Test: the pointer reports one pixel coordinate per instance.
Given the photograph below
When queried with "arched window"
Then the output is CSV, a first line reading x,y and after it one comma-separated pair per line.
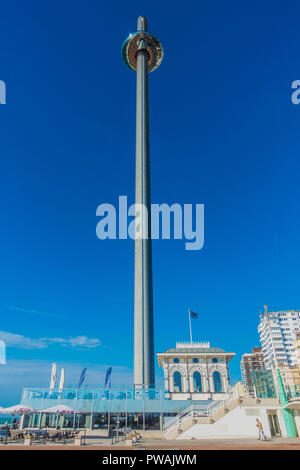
x,y
177,382
217,381
197,382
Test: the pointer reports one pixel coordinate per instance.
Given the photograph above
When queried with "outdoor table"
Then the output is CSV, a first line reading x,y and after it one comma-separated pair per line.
x,y
39,434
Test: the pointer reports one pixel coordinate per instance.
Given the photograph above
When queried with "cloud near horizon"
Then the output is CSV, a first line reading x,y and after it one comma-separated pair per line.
x,y
24,342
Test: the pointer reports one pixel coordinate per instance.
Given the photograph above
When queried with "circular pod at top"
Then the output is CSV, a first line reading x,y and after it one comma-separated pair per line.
x,y
154,48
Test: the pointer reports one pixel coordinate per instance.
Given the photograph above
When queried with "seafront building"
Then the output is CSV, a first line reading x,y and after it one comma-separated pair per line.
x,y
277,332
291,375
251,362
196,371
195,375
100,411
239,389
280,338
198,401
291,379
297,348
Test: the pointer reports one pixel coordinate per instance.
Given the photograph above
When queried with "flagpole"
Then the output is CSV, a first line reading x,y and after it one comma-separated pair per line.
x,y
190,326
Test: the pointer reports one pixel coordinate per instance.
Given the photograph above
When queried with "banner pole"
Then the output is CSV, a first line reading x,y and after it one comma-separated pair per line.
x,y
190,326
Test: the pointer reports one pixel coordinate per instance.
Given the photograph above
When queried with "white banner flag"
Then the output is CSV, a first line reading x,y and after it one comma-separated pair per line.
x,y
53,378
62,380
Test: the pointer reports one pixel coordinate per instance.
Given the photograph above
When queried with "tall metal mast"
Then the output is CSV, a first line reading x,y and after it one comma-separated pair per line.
x,y
143,53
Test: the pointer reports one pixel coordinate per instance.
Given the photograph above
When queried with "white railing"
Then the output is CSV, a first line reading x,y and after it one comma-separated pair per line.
x,y
199,411
193,410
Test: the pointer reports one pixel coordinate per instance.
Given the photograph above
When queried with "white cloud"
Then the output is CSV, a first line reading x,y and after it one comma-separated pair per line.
x,y
20,341
78,341
35,312
24,342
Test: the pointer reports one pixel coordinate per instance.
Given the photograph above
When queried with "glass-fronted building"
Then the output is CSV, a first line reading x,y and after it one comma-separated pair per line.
x,y
195,374
98,408
262,383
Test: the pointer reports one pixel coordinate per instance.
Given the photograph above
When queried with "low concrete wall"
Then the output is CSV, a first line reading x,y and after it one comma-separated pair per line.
x,y
96,432
155,434
103,433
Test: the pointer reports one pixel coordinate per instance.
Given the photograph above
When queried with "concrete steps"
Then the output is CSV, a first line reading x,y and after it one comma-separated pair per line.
x,y
215,415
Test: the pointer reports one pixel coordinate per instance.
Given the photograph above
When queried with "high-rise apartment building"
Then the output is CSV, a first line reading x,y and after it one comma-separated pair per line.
x,y
251,362
297,348
278,332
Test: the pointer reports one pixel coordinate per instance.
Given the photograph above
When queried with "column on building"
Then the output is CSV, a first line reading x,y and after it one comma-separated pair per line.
x,y
167,377
208,383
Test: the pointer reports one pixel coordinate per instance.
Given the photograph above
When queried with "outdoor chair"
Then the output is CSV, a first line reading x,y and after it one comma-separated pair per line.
x,y
39,436
4,434
16,435
54,435
68,435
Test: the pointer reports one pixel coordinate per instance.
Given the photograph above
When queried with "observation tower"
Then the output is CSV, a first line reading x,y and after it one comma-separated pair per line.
x,y
143,53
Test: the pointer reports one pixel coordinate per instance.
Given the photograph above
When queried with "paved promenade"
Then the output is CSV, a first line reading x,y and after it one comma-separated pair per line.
x,y
159,444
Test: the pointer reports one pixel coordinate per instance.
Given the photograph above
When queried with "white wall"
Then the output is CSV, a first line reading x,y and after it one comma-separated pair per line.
x,y
236,423
297,420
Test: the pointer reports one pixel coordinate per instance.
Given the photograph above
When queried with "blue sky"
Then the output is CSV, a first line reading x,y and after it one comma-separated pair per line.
x,y
224,133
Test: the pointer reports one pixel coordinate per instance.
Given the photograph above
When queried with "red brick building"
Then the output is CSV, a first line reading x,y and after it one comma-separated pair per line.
x,y
250,362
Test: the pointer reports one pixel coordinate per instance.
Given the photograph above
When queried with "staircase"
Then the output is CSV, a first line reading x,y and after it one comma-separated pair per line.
x,y
198,414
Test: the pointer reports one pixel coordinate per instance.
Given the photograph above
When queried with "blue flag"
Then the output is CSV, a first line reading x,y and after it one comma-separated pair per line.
x,y
107,383
82,377
194,315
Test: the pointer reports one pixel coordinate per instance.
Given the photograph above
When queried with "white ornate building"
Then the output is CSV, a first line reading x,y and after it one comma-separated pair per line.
x,y
195,371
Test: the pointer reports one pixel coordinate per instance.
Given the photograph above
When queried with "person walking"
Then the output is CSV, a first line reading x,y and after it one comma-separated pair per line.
x,y
261,433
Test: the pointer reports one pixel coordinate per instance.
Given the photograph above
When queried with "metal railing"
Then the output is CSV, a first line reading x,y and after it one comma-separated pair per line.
x,y
202,411
199,410
119,434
